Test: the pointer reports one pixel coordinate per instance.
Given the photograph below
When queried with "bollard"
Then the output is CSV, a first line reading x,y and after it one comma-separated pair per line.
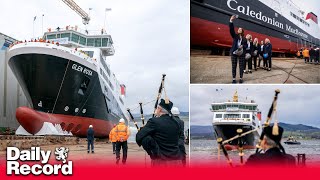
x,y
301,159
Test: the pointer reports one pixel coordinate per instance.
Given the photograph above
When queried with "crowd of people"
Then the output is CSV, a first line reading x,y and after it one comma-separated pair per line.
x,y
249,53
310,55
162,137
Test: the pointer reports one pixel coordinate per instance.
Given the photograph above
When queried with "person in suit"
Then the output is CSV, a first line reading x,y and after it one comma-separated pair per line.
x,y
248,54
312,54
237,50
317,55
160,137
260,53
274,153
256,50
90,139
268,54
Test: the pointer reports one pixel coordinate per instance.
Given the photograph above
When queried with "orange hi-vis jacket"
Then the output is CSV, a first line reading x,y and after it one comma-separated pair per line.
x,y
113,135
305,53
122,132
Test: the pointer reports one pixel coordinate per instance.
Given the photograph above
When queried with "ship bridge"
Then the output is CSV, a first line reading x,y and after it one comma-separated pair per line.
x,y
75,38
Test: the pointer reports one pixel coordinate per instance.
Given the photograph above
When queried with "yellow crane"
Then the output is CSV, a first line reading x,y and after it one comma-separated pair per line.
x,y
75,7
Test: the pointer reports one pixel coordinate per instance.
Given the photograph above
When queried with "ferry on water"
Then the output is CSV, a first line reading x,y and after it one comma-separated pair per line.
x,y
67,80
287,26
232,115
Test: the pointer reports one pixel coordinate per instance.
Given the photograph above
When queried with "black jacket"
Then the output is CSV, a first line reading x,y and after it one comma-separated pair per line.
x,y
317,53
268,49
251,49
257,48
312,53
236,38
165,131
181,137
273,157
90,134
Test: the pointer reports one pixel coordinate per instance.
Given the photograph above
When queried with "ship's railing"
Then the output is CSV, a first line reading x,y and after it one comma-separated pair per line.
x,y
54,45
77,29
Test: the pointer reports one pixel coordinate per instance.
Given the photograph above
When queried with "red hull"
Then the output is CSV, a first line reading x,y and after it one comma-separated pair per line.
x,y
32,121
211,34
233,147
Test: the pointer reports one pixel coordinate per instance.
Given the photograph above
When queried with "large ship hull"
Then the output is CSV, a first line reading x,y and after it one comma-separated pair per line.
x,y
61,90
210,19
228,131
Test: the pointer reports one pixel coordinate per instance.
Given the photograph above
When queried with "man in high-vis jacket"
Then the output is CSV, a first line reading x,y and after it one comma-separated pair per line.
x,y
122,132
113,138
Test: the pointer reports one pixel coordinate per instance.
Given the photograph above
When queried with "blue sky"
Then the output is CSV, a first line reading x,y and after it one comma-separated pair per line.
x,y
150,38
297,104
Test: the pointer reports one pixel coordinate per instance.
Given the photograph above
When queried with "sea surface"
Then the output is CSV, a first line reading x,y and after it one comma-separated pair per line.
x,y
206,152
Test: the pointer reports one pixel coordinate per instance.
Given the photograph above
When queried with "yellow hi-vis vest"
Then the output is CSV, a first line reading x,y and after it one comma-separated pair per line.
x,y
113,135
122,132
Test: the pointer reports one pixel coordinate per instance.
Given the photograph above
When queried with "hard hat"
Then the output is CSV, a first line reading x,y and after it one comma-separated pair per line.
x,y
175,111
121,120
90,126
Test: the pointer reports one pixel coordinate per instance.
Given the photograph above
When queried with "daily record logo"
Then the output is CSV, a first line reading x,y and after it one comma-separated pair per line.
x,y
15,159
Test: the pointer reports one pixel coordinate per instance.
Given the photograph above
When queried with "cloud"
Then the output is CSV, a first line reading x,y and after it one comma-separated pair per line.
x,y
150,38
296,104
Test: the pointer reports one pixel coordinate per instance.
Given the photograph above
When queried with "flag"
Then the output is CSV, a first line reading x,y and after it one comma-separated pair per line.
x,y
34,18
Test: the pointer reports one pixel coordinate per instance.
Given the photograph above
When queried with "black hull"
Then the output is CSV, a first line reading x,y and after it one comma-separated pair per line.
x,y
55,85
228,131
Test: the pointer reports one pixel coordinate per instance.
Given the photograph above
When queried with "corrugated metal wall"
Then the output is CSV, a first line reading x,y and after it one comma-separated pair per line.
x,y
11,94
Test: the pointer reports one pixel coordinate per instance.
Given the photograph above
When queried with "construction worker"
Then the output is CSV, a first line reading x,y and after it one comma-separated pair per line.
x,y
306,55
90,139
113,138
175,112
122,133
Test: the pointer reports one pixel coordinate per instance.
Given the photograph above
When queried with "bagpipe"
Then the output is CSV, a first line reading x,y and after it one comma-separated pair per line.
x,y
161,87
241,134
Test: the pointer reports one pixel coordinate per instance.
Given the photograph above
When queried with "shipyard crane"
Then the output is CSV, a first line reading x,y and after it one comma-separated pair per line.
x,y
75,7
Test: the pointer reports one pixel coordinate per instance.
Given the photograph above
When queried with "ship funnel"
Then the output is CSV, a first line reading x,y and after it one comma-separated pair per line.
x,y
235,97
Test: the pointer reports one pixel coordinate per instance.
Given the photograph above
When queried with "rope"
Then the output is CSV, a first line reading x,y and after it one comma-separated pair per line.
x,y
65,72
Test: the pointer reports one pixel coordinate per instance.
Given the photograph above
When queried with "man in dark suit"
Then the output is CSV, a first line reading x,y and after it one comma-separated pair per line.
x,y
312,54
176,113
160,137
317,55
275,154
239,45
90,139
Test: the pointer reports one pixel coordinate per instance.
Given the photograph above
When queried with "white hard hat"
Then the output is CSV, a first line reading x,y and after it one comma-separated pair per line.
x,y
90,126
175,111
121,120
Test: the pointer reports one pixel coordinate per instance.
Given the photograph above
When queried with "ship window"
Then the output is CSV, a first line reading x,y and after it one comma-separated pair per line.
x,y
250,108
241,106
97,42
75,38
52,36
82,40
235,105
65,35
232,116
224,106
58,35
228,105
245,115
105,42
90,42
218,115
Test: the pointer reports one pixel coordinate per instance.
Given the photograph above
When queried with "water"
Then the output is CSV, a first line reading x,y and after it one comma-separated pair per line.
x,y
206,152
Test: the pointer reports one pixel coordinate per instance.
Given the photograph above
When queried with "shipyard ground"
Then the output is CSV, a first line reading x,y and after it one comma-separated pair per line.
x,y
102,155
210,69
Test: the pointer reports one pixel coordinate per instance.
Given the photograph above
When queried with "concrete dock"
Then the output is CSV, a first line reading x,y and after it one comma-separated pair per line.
x,y
102,155
209,69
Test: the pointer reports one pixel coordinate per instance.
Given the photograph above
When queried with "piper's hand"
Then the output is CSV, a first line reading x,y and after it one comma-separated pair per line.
x,y
241,46
232,18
